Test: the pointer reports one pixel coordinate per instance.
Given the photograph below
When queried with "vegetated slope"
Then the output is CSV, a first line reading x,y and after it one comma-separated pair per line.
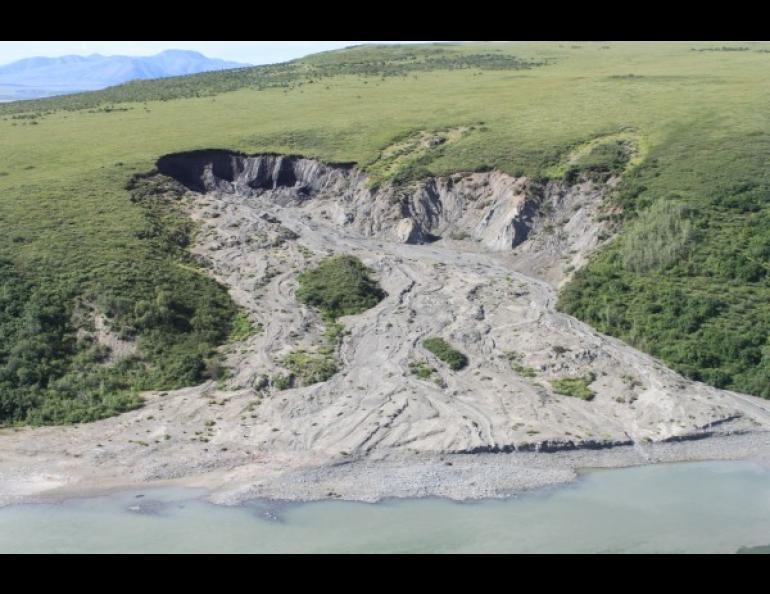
x,y
688,281
57,362
70,230
367,61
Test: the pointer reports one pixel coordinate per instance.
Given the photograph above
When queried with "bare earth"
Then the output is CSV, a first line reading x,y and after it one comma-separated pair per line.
x,y
467,258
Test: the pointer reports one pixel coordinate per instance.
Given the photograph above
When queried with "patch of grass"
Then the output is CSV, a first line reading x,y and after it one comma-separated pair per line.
x,y
523,371
601,161
241,328
333,333
421,369
516,365
310,368
222,375
339,286
444,351
577,387
282,381
599,158
407,157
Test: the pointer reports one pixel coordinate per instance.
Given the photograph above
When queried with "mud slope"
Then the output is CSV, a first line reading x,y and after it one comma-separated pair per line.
x,y
474,258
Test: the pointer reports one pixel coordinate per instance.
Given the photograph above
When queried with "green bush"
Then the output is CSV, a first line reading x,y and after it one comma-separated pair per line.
x,y
660,236
577,387
523,371
339,286
282,382
421,369
241,328
516,365
444,351
310,368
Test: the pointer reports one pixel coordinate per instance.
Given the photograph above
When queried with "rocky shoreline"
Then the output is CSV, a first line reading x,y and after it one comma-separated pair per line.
x,y
454,476
481,476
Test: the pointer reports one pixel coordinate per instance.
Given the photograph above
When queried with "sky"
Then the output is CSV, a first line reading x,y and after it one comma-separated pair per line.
x,y
248,52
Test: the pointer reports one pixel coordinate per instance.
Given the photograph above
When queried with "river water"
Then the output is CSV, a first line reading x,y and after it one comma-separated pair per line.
x,y
695,507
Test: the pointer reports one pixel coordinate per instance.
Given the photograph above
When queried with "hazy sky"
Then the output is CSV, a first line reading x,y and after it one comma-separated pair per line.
x,y
250,52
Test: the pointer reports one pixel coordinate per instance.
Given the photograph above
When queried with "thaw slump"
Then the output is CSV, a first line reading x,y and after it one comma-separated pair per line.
x,y
493,210
474,258
471,258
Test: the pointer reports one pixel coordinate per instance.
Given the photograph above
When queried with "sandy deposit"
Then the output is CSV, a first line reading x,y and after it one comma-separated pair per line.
x,y
474,258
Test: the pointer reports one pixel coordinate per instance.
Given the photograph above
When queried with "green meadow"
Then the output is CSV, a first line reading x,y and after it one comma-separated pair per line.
x,y
687,279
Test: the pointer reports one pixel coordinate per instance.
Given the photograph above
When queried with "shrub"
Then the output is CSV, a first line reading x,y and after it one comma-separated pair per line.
x,y
444,351
282,382
310,368
660,236
577,387
523,371
339,286
516,365
241,328
421,369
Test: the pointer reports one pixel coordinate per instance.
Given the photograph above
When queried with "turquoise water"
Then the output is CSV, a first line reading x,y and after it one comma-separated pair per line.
x,y
699,507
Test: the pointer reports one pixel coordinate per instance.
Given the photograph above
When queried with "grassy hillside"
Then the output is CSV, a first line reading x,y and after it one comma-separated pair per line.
x,y
699,188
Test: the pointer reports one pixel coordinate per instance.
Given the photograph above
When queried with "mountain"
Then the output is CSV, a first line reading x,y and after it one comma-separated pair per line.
x,y
43,77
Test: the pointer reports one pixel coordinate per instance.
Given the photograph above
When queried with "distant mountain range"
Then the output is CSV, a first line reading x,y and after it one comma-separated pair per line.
x,y
42,77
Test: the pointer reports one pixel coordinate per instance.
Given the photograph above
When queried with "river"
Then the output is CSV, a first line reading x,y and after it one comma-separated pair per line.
x,y
695,507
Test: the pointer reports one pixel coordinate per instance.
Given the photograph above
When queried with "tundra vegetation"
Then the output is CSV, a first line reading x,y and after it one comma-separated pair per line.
x,y
576,387
421,369
444,351
337,286
515,360
687,279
